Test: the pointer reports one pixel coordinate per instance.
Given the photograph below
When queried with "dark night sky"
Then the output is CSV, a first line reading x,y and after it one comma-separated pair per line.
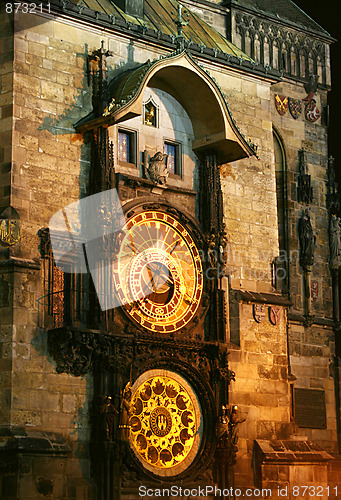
x,y
325,15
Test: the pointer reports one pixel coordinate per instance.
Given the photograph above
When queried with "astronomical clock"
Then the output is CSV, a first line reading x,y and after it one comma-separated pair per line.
x,y
159,359
162,282
158,278
167,374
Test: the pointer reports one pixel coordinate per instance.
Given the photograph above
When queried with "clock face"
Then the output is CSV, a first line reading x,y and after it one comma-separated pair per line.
x,y
165,422
158,272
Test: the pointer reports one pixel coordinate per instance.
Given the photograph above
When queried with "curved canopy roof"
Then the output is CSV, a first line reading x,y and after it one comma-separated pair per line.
x,y
191,85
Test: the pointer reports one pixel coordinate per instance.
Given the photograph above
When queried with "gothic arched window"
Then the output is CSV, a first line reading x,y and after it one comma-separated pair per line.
x,y
282,263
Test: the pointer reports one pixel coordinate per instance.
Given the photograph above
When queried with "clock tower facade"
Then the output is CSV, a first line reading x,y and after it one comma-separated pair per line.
x,y
168,319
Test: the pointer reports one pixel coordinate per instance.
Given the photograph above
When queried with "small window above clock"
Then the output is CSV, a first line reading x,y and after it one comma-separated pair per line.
x,y
126,154
173,150
151,114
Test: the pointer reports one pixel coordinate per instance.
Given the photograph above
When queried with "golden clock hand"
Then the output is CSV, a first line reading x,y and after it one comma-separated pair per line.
x,y
151,278
132,246
189,300
168,279
165,278
174,247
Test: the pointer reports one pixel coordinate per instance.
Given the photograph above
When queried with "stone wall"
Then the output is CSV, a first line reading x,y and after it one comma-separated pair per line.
x,y
6,106
50,165
261,390
312,137
249,187
311,347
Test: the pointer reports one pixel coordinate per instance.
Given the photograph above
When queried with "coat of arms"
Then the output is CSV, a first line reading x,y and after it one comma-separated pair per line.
x,y
157,169
10,230
258,312
312,113
295,107
274,315
314,291
281,104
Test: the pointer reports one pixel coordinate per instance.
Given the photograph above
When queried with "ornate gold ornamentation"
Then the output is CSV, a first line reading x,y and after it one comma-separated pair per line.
x,y
164,421
10,231
150,112
161,286
160,421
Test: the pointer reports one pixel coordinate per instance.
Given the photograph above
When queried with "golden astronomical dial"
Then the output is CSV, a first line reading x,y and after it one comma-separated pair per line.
x,y
158,273
165,422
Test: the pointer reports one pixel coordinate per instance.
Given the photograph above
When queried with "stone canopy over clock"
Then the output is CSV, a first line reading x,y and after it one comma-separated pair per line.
x,y
162,284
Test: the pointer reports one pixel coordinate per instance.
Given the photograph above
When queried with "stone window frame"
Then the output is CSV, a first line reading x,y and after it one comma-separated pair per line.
x,y
283,239
178,167
133,135
157,113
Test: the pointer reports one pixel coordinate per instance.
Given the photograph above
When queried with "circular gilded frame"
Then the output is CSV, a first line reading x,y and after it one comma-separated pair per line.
x,y
187,293
166,422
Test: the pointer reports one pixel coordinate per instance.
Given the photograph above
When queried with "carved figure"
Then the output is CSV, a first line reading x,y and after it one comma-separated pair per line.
x,y
45,242
234,422
125,412
227,433
335,241
149,115
307,241
109,411
223,426
157,169
211,249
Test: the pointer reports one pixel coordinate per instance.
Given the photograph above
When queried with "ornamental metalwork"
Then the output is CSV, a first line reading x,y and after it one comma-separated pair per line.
x,y
164,421
10,231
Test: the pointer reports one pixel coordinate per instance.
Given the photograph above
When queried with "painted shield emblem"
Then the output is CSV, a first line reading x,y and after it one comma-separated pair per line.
x,y
295,107
314,291
274,315
258,312
312,113
281,104
10,230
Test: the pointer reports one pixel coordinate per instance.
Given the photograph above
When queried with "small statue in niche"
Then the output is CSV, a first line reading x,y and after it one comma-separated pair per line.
x,y
125,412
227,432
234,423
109,411
157,169
335,242
307,241
150,114
223,426
211,249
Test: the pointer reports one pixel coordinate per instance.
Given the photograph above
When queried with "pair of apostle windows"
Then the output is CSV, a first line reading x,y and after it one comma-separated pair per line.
x,y
127,151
